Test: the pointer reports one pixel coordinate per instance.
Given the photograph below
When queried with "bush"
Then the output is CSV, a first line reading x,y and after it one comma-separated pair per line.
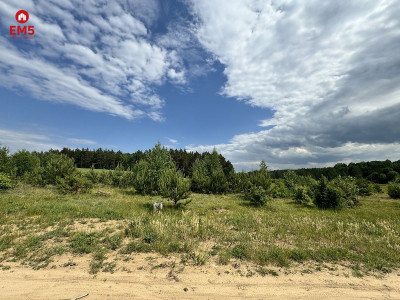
x,y
4,160
257,196
5,182
261,177
303,195
208,175
36,177
23,161
278,189
92,175
174,186
74,184
328,196
57,166
104,177
147,172
365,188
349,190
394,190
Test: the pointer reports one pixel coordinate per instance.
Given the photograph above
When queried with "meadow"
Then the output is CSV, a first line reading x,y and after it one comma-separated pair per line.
x,y
38,224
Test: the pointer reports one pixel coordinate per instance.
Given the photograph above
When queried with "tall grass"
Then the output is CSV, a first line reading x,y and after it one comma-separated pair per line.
x,y
222,227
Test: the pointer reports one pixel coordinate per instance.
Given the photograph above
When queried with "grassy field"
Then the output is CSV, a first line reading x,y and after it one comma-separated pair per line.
x,y
38,224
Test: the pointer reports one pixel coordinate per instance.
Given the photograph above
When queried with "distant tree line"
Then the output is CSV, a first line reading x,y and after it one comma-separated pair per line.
x,y
110,159
174,174
374,171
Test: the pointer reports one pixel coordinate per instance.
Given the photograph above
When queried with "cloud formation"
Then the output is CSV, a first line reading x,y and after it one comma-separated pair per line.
x,y
21,139
98,55
330,72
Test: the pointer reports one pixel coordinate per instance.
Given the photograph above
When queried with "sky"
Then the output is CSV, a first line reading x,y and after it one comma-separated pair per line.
x,y
294,83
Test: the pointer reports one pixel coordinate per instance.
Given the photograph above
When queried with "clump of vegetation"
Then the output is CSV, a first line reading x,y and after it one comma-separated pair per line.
x,y
261,177
174,186
365,188
208,175
74,184
394,190
328,196
257,196
349,190
5,182
303,195
278,189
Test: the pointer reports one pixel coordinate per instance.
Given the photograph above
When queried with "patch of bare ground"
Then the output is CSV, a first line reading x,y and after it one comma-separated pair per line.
x,y
148,276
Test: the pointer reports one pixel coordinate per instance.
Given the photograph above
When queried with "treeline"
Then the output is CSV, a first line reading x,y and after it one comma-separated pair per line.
x,y
110,159
375,171
173,174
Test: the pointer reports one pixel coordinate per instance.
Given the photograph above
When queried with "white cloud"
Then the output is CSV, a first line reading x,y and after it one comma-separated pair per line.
x,y
172,141
93,54
22,139
329,71
18,140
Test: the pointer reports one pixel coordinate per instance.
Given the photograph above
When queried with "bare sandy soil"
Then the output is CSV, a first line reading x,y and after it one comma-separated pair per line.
x,y
149,277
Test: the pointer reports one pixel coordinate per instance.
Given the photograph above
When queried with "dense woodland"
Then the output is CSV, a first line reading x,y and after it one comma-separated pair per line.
x,y
173,174
110,159
375,171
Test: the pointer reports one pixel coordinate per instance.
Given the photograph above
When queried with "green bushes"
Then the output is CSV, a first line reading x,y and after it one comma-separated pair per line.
x,y
349,190
328,196
24,162
257,196
365,188
56,166
5,182
261,177
174,186
303,195
394,190
74,184
208,175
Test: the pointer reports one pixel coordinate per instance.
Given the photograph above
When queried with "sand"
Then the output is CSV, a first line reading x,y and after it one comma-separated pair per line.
x,y
149,277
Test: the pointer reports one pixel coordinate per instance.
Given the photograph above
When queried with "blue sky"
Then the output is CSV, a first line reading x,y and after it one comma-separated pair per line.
x,y
297,84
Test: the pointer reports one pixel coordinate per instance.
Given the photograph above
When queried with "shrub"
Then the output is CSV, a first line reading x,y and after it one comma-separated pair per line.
x,y
174,186
328,196
365,188
261,177
394,190
142,178
23,161
303,195
200,178
5,182
92,175
208,175
257,196
36,177
4,160
74,184
349,190
147,172
57,166
104,177
278,189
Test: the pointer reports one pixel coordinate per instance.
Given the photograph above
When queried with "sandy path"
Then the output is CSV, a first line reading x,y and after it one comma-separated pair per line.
x,y
206,282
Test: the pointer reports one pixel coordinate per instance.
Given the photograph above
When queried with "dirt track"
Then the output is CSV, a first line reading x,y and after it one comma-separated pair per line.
x,y
206,282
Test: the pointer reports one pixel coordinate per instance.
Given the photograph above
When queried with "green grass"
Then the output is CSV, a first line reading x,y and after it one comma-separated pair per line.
x,y
35,226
